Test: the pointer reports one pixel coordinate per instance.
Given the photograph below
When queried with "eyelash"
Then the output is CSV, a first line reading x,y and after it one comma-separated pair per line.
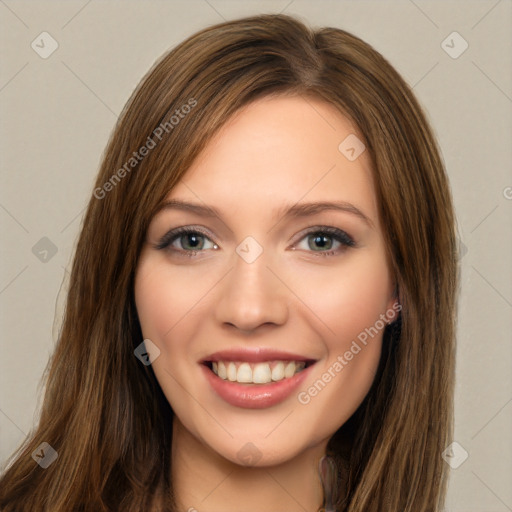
x,y
337,234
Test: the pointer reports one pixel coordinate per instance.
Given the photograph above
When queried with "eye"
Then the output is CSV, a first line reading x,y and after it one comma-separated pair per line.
x,y
190,240
326,241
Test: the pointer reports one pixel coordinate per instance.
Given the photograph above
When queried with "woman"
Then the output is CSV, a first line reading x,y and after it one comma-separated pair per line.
x,y
261,308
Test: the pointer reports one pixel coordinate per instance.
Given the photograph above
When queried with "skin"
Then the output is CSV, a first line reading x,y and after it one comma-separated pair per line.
x,y
276,151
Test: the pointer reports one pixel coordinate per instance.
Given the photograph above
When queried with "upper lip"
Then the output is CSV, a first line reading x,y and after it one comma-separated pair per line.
x,y
255,355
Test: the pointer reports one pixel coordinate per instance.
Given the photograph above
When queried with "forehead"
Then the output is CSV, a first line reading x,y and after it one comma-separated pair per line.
x,y
279,150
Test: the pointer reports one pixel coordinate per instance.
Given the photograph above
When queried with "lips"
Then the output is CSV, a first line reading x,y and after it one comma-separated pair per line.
x,y
255,355
255,377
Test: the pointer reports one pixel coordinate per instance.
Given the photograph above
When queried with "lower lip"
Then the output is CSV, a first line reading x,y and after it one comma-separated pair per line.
x,y
255,396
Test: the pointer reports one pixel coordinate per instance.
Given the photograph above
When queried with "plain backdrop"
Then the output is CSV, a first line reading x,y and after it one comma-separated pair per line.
x,y
59,109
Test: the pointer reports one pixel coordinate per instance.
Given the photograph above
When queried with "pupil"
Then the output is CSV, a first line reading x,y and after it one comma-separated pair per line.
x,y
321,240
195,241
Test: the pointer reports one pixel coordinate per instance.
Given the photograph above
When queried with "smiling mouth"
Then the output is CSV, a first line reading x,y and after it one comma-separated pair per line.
x,y
263,372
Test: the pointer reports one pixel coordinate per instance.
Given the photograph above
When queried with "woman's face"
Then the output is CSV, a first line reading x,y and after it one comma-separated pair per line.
x,y
270,279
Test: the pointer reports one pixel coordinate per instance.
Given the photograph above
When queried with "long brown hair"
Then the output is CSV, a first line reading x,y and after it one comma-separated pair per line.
x,y
104,412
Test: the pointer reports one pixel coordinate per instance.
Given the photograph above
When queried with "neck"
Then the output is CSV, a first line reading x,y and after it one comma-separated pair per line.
x,y
204,481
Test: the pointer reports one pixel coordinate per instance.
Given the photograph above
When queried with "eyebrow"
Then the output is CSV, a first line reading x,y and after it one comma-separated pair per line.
x,y
297,210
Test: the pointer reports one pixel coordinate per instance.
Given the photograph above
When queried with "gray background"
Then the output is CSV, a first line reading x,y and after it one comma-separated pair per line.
x,y
58,112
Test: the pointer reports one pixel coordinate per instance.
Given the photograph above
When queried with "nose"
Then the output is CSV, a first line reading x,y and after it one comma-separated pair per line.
x,y
251,296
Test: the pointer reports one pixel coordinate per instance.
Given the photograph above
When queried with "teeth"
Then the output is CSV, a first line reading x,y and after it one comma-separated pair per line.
x,y
278,371
261,374
256,373
244,373
222,373
231,372
289,369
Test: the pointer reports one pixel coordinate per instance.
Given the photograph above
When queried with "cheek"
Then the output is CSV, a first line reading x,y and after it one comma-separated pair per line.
x,y
163,298
165,305
349,302
346,299
151,301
